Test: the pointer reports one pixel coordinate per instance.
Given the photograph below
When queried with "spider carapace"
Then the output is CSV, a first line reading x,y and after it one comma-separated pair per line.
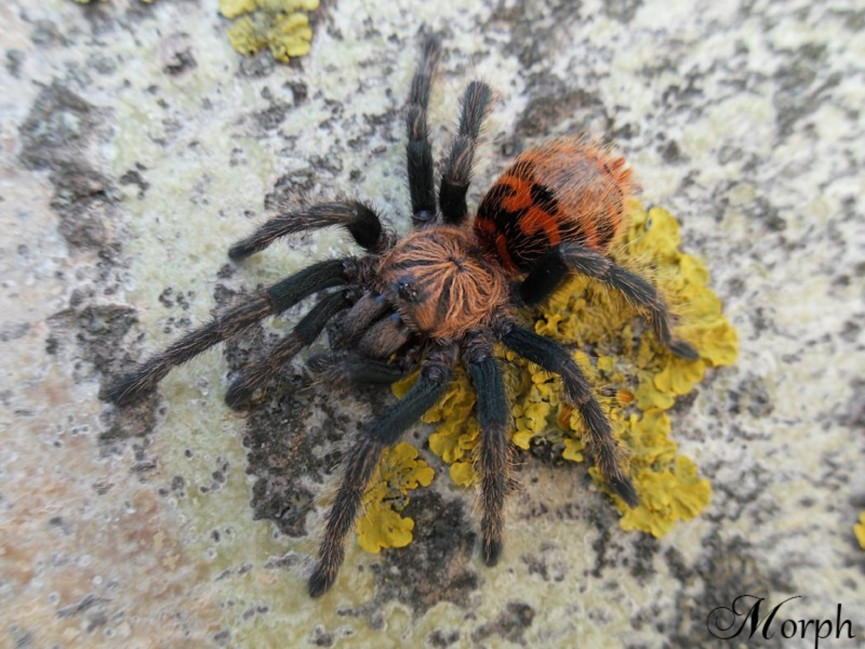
x,y
443,294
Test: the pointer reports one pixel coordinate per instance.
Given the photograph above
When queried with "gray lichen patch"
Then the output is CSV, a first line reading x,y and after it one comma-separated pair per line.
x,y
58,129
56,136
85,200
438,566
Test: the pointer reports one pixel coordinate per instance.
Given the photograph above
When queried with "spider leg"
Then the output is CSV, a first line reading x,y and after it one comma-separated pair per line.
x,y
362,223
555,358
384,337
418,150
552,269
242,389
349,369
494,416
270,301
369,308
458,167
363,457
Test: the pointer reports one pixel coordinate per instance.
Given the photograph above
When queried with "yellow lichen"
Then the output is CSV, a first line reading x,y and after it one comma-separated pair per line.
x,y
859,530
636,378
399,471
280,25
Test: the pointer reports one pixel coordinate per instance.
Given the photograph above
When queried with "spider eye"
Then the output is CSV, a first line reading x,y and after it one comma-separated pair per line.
x,y
406,290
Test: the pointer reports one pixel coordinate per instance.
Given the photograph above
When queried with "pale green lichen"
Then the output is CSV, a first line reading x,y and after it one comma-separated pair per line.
x,y
280,25
399,472
859,530
637,379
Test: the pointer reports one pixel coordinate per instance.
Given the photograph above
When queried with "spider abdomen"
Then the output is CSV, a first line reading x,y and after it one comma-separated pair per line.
x,y
566,190
441,283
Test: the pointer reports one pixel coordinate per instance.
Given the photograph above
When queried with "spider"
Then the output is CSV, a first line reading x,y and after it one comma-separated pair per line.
x,y
447,291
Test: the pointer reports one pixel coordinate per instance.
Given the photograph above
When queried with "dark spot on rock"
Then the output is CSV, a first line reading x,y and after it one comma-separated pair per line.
x,y
510,625
100,329
14,60
322,638
287,188
622,10
670,152
259,65
13,330
134,177
548,452
84,200
271,117
441,639
56,128
437,565
802,82
179,62
553,103
46,32
726,569
222,638
535,29
299,92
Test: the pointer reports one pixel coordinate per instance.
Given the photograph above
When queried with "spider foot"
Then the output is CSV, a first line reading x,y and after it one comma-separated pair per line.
x,y
240,394
684,350
491,551
320,581
624,489
128,389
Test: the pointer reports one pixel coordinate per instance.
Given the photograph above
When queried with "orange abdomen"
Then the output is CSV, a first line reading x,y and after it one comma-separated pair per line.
x,y
567,190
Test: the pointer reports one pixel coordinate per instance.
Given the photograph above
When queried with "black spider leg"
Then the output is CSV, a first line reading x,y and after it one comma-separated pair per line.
x,y
553,267
273,300
258,375
385,430
494,459
418,150
458,166
361,221
554,358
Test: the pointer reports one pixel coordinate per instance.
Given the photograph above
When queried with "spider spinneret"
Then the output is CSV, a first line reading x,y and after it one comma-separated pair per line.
x,y
446,292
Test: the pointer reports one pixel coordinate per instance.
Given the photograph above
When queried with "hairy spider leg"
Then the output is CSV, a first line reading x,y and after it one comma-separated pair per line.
x,y
418,149
361,221
349,369
256,377
552,269
457,172
271,301
493,462
554,358
371,328
382,432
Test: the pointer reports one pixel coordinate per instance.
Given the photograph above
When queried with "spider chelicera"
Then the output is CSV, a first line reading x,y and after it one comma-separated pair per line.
x,y
447,291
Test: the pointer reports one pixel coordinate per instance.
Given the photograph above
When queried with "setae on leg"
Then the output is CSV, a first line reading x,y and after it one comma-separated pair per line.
x,y
363,458
555,358
362,223
242,389
457,172
557,264
339,370
494,459
271,301
418,149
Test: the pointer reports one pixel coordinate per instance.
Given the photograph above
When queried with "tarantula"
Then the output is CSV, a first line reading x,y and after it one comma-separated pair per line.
x,y
449,290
